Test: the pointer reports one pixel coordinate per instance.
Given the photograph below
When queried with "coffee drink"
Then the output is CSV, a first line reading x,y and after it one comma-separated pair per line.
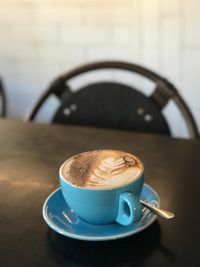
x,y
98,185
102,169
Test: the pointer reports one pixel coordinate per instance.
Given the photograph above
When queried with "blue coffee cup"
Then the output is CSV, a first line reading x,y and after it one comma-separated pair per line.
x,y
104,206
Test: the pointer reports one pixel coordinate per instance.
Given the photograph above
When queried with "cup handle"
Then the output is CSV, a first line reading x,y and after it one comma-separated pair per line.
x,y
130,209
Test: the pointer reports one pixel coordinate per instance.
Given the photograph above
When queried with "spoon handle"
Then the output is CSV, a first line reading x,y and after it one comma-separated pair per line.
x,y
163,213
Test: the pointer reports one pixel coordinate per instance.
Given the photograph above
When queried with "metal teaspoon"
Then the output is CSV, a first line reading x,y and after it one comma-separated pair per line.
x,y
163,213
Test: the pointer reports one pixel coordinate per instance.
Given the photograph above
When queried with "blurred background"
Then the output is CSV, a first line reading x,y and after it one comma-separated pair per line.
x,y
41,39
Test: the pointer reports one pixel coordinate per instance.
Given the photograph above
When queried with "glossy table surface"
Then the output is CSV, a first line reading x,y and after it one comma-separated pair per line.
x,y
30,156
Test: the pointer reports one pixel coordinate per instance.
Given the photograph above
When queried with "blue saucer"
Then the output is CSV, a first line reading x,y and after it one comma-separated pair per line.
x,y
63,220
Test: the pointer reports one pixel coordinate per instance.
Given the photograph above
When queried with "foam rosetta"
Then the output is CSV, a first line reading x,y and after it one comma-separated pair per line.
x,y
102,169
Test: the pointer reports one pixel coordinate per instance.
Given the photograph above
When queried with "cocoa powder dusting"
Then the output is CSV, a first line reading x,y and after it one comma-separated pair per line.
x,y
80,168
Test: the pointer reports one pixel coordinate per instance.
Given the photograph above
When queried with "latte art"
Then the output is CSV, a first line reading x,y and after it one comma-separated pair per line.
x,y
102,169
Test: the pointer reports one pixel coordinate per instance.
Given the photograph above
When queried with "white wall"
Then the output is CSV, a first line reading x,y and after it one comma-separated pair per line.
x,y
41,39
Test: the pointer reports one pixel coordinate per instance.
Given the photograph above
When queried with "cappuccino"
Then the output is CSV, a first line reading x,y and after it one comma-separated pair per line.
x,y
102,169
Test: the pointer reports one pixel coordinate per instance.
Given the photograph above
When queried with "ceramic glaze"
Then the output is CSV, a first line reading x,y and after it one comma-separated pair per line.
x,y
63,220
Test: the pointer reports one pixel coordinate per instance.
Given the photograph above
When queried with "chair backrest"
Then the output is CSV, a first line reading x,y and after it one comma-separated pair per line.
x,y
115,105
2,100
112,105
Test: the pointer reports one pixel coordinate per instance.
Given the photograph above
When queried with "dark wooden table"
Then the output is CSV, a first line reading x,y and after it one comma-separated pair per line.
x,y
30,155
